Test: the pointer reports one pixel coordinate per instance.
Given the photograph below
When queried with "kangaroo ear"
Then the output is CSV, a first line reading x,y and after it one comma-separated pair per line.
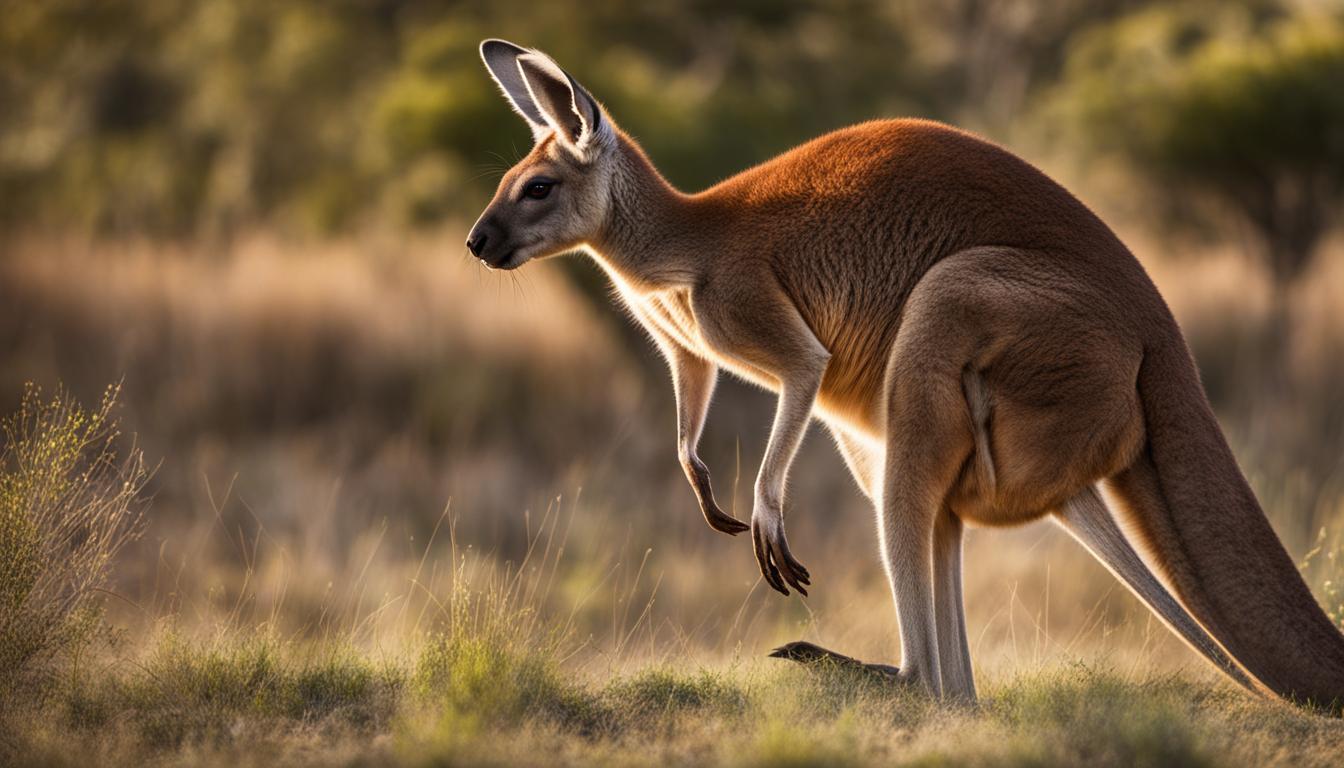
x,y
501,58
566,107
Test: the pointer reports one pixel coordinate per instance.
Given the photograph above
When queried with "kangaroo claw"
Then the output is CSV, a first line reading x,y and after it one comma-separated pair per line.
x,y
778,565
722,521
718,519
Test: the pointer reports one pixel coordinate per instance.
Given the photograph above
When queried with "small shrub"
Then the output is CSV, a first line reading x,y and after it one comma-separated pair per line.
x,y
68,503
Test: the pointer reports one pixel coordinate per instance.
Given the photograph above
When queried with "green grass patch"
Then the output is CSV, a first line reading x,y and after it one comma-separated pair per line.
x,y
187,694
459,700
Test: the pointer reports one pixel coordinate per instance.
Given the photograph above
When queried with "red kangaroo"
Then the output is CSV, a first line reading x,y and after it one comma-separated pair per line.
x,y
983,348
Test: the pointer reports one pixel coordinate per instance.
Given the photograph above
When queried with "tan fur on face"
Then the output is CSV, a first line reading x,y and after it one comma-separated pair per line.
x,y
986,351
549,227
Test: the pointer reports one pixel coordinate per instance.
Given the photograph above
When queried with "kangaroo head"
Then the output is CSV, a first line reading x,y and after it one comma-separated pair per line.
x,y
556,198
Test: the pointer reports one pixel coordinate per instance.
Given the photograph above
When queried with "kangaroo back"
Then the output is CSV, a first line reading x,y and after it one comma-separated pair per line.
x,y
1190,505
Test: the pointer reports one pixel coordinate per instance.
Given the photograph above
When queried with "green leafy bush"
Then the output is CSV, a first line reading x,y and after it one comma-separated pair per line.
x,y
1223,104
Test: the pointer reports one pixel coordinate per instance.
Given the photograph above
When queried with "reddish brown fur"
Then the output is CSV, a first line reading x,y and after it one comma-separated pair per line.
x,y
932,298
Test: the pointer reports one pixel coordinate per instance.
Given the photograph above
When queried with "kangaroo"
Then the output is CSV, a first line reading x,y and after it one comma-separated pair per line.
x,y
983,348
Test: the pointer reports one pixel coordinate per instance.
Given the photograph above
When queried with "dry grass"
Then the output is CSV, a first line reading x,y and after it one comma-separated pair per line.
x,y
68,504
409,512
490,677
492,681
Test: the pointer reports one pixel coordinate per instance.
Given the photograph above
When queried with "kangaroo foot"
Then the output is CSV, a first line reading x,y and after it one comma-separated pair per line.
x,y
811,654
722,521
719,520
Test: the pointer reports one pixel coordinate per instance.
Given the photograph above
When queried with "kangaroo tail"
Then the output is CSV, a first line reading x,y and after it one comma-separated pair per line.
x,y
1191,508
1087,519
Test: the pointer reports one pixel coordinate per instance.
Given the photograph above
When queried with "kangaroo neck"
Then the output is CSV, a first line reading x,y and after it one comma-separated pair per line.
x,y
655,238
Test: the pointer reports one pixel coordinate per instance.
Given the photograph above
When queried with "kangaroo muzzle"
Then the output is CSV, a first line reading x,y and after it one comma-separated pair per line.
x,y
489,243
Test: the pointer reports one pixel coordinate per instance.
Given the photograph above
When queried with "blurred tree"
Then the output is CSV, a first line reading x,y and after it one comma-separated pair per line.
x,y
1239,104
987,57
176,117
190,116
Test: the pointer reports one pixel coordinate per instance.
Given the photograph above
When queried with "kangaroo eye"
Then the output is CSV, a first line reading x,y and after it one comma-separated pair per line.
x,y
538,190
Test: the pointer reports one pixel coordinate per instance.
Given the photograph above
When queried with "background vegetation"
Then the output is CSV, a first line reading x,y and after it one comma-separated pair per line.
x,y
402,510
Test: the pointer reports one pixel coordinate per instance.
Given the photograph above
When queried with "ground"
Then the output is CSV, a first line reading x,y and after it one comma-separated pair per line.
x,y
467,701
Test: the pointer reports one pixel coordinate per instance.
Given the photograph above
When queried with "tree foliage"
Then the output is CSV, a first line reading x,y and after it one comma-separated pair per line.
x,y
1239,104
177,116
203,116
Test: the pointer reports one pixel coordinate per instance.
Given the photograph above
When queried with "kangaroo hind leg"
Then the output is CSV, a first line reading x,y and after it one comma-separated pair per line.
x,y
929,441
954,652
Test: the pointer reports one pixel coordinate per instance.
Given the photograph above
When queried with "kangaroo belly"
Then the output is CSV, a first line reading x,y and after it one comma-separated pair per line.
x,y
851,394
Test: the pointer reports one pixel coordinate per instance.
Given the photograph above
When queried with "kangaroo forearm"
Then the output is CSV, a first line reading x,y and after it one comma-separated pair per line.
x,y
693,380
792,414
693,383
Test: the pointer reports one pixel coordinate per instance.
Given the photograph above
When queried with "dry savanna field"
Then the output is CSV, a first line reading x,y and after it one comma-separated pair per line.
x,y
287,478
394,509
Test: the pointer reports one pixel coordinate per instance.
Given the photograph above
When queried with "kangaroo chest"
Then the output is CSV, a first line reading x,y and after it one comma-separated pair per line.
x,y
668,315
669,312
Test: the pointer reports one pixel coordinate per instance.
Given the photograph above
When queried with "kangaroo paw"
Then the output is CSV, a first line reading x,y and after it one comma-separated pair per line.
x,y
778,565
811,654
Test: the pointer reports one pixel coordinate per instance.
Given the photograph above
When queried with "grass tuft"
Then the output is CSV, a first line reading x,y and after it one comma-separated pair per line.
x,y
476,683
1080,715
659,694
187,694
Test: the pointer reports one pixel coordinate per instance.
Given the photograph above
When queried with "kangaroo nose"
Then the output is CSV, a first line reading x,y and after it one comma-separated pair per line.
x,y
476,243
